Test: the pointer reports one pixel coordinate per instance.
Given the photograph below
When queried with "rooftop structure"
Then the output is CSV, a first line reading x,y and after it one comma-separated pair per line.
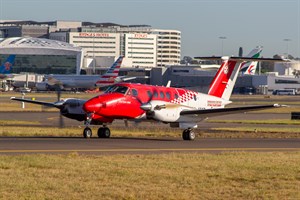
x,y
40,46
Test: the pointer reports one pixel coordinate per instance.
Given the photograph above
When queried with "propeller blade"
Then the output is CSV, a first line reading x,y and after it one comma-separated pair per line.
x,y
61,121
126,123
58,93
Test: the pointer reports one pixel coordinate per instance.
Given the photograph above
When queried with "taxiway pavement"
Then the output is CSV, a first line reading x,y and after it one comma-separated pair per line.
x,y
54,145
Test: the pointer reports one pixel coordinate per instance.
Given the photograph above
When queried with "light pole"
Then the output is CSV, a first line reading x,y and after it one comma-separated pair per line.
x,y
222,39
287,46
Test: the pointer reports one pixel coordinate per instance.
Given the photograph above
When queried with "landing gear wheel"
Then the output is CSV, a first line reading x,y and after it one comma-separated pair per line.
x,y
188,134
103,132
87,132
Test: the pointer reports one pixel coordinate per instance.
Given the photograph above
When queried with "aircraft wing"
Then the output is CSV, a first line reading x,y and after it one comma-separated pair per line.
x,y
43,103
225,111
124,78
243,59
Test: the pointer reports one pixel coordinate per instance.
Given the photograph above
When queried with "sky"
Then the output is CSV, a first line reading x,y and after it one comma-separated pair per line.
x,y
244,23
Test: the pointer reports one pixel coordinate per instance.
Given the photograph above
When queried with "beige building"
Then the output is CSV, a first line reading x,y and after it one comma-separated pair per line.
x,y
168,47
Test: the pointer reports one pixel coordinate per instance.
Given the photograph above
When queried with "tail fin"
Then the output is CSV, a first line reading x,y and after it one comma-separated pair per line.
x,y
111,74
6,67
224,81
250,67
113,71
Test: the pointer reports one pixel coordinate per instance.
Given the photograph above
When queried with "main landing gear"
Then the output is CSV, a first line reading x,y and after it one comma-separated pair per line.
x,y
188,134
103,132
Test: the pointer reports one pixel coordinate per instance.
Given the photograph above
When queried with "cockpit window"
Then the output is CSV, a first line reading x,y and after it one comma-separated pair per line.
x,y
117,89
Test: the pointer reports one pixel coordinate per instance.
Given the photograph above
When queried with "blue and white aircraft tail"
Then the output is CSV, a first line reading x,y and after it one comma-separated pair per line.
x,y
6,67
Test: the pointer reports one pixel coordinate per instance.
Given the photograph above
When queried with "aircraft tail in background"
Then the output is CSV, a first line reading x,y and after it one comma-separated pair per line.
x,y
249,68
6,67
111,74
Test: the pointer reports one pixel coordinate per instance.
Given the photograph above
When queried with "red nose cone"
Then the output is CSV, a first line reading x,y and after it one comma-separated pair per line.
x,y
92,105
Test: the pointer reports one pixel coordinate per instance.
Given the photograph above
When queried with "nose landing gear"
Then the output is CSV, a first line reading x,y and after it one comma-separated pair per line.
x,y
87,132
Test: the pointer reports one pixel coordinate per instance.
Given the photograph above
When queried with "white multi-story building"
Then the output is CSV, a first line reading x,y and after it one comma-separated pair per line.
x,y
142,46
141,49
168,47
97,44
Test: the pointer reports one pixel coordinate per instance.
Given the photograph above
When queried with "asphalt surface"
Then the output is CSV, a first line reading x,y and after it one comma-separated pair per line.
x,y
114,145
33,145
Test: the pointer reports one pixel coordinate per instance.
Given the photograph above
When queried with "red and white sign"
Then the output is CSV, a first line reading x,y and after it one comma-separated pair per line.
x,y
94,34
140,35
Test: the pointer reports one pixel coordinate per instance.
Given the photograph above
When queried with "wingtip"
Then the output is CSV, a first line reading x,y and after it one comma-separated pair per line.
x,y
279,105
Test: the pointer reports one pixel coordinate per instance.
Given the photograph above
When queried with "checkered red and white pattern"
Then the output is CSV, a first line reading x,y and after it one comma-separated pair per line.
x,y
189,95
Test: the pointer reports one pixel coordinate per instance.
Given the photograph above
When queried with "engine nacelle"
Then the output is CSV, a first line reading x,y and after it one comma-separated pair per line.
x,y
72,108
162,111
166,115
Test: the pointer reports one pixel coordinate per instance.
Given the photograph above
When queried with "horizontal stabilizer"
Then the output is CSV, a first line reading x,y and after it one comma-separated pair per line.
x,y
241,59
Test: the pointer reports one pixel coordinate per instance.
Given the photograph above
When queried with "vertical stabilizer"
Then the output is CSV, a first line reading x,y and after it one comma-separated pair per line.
x,y
111,74
249,68
224,80
113,71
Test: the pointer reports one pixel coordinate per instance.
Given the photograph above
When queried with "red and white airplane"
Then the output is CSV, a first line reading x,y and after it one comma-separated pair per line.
x,y
179,107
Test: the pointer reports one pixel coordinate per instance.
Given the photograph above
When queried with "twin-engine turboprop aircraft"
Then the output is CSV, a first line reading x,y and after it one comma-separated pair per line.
x,y
177,106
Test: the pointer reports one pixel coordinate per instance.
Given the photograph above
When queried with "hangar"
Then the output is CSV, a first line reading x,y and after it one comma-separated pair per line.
x,y
43,56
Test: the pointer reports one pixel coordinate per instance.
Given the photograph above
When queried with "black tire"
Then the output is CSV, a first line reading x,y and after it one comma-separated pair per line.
x,y
106,133
103,132
87,132
185,134
100,132
188,134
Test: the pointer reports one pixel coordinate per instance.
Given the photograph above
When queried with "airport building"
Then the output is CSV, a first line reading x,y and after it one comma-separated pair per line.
x,y
158,47
42,56
142,46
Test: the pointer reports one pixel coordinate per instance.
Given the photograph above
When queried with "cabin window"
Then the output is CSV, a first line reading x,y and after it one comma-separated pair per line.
x,y
195,97
168,95
134,93
149,93
176,96
155,94
161,94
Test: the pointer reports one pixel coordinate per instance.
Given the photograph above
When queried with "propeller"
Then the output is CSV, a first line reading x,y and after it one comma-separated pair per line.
x,y
126,123
147,106
60,105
